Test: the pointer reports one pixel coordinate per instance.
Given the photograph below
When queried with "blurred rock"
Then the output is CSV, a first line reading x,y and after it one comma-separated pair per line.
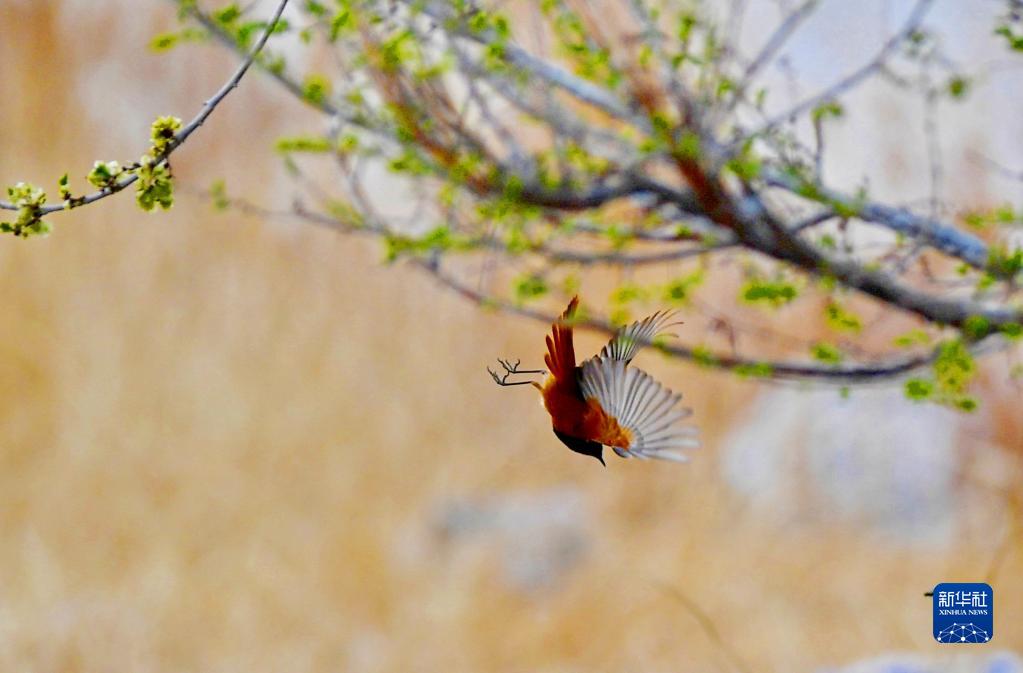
x,y
958,662
539,536
873,459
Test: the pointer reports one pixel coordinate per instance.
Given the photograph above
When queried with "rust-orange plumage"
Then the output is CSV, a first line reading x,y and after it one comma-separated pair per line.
x,y
605,402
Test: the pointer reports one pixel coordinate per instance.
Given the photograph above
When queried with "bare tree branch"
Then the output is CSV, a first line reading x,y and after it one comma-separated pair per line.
x,y
934,233
627,149
840,87
181,136
702,194
771,48
774,370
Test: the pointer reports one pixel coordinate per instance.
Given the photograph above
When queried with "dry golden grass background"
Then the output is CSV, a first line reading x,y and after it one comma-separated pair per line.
x,y
224,442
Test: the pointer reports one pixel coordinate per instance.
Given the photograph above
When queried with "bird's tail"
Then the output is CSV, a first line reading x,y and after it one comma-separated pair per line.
x,y
560,357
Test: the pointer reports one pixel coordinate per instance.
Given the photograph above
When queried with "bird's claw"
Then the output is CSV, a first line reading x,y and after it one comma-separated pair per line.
x,y
509,370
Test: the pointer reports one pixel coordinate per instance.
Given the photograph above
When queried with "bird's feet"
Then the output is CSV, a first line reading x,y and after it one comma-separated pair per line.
x,y
510,370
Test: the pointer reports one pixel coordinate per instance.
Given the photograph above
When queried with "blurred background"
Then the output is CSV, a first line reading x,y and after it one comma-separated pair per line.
x,y
235,445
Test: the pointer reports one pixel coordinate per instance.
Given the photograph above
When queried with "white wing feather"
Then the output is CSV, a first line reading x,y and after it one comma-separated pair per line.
x,y
641,405
627,342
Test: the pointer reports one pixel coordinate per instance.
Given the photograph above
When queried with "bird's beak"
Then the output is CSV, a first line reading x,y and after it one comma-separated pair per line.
x,y
601,459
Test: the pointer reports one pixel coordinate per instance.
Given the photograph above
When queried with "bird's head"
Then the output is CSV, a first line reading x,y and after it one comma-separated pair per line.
x,y
583,446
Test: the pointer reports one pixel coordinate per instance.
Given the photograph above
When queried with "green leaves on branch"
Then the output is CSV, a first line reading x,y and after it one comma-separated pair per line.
x,y
218,195
231,19
621,297
529,287
339,24
29,199
1003,215
1011,31
104,174
746,165
227,15
828,110
162,134
627,293
919,390
62,188
589,59
167,41
952,372
976,327
1012,331
840,319
680,290
827,353
958,86
754,370
438,240
705,357
316,88
153,185
771,293
916,337
312,144
1004,263
954,369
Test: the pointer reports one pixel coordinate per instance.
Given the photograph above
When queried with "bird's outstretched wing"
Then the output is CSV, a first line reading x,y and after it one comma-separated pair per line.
x,y
627,342
648,411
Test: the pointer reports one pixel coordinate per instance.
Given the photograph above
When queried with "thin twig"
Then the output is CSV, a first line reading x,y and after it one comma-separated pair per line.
x,y
774,43
853,78
179,139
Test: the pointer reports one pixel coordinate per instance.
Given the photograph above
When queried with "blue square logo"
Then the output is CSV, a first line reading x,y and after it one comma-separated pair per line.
x,y
964,612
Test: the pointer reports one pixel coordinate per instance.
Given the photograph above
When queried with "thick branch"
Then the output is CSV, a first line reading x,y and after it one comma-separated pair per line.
x,y
934,233
775,370
759,230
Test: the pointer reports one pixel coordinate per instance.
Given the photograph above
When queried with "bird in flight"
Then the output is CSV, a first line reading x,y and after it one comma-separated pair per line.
x,y
604,401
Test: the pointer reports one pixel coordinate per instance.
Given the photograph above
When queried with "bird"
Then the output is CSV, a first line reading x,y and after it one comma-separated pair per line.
x,y
604,401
